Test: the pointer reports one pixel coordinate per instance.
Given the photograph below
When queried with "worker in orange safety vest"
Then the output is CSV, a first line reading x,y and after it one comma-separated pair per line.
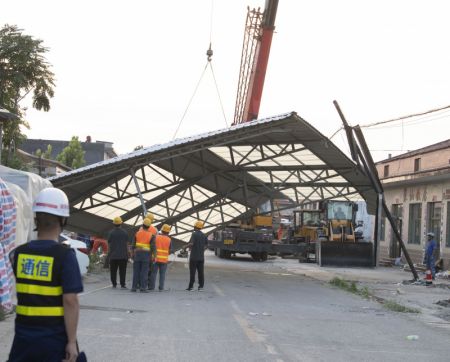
x,y
154,231
162,242
141,256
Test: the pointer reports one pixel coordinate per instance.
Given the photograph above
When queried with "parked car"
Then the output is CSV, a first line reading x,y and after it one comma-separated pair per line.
x,y
81,251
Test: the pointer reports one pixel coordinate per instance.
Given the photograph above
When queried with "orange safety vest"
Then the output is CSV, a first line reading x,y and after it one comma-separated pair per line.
x,y
162,248
143,238
151,228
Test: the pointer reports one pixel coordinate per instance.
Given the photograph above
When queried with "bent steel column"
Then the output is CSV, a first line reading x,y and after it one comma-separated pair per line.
x,y
138,189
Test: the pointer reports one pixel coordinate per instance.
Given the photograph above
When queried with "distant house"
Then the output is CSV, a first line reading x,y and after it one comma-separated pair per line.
x,y
417,191
94,151
41,166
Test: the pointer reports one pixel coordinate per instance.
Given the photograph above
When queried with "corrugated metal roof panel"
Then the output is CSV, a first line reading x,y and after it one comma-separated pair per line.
x,y
217,176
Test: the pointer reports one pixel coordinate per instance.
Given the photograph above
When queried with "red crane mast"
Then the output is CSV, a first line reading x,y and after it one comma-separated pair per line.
x,y
259,28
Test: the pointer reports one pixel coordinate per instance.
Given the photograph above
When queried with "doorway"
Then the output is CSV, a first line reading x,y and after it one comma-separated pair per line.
x,y
397,214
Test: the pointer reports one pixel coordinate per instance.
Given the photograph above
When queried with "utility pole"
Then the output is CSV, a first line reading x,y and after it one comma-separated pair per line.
x,y
361,152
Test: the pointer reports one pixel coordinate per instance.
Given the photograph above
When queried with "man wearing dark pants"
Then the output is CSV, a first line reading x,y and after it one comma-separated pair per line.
x,y
141,256
47,283
197,244
162,244
118,252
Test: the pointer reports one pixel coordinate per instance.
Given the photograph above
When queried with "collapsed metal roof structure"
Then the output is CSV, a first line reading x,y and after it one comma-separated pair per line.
x,y
218,177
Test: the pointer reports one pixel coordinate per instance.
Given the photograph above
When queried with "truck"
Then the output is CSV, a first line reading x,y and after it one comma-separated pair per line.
x,y
254,237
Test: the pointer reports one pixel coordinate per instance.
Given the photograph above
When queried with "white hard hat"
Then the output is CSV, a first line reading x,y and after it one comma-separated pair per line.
x,y
52,201
430,234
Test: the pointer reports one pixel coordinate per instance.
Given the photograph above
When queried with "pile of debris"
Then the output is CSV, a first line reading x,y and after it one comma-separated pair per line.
x,y
443,275
444,303
420,268
386,262
390,262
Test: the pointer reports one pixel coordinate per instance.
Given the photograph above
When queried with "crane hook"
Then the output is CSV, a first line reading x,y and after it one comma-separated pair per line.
x,y
209,53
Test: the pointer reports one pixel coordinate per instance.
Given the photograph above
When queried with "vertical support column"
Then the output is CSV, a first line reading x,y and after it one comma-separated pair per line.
x,y
144,209
377,235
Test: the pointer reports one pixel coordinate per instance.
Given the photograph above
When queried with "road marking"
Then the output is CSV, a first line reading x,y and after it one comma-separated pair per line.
x,y
283,274
236,307
251,334
101,333
271,349
440,324
218,290
93,291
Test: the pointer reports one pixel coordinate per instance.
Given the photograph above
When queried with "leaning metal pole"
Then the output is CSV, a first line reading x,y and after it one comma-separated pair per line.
x,y
373,175
362,152
144,210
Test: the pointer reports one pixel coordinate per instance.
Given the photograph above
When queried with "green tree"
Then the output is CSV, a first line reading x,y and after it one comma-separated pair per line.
x,y
73,154
47,154
23,69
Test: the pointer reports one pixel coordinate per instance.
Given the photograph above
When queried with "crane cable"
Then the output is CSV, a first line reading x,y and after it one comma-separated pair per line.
x,y
190,101
218,95
374,124
209,54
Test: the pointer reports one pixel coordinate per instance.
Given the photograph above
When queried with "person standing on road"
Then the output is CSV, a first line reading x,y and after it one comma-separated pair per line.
x,y
162,242
430,248
118,252
197,244
154,231
141,256
48,280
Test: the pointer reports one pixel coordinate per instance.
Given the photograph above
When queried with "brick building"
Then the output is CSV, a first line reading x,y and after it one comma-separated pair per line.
x,y
417,191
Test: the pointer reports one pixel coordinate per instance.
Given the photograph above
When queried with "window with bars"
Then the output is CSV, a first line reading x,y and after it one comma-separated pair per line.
x,y
447,239
416,164
414,222
434,219
383,229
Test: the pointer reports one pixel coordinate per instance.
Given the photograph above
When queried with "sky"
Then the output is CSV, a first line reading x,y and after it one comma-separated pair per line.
x,y
126,71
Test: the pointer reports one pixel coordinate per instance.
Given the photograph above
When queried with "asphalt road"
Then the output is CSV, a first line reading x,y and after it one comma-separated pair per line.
x,y
248,312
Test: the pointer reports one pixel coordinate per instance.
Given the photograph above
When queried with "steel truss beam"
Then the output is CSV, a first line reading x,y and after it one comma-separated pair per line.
x,y
320,177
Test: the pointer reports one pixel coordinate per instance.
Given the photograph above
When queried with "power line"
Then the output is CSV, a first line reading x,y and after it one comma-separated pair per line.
x,y
412,122
416,121
405,117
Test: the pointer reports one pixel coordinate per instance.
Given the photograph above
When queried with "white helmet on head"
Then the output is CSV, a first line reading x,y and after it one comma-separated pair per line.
x,y
52,201
430,234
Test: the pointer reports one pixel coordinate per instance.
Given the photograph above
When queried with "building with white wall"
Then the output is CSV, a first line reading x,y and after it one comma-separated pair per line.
x,y
417,192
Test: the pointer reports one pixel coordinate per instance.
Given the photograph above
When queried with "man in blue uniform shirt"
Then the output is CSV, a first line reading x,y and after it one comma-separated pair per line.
x,y
47,282
430,248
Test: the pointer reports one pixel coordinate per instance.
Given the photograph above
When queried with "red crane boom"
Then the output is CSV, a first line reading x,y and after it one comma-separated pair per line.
x,y
258,34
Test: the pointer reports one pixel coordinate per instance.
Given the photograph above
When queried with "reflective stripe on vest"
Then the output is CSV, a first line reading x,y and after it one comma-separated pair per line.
x,y
38,289
38,284
162,248
143,238
40,311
